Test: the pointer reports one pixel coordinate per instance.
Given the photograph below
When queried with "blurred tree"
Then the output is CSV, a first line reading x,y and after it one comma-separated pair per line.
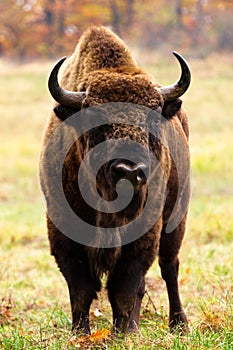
x,y
179,12
115,16
129,12
199,32
14,20
31,28
48,12
49,21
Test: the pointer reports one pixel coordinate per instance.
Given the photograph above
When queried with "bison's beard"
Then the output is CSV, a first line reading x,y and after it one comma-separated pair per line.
x,y
103,260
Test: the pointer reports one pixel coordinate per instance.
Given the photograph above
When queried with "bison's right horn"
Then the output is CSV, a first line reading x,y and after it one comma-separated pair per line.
x,y
174,91
64,97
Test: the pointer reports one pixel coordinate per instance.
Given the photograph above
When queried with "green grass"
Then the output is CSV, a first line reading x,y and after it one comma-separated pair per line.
x,y
34,304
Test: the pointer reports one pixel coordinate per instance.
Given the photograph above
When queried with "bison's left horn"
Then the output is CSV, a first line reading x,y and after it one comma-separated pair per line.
x,y
174,91
64,97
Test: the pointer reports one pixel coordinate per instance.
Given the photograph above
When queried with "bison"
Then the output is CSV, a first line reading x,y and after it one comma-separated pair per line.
x,y
102,80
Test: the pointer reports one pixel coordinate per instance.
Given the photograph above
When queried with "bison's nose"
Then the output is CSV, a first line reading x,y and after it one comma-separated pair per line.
x,y
135,173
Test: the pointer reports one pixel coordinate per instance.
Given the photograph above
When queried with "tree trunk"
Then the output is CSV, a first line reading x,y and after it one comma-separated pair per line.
x,y
198,32
115,16
129,12
179,13
49,13
61,24
61,27
50,23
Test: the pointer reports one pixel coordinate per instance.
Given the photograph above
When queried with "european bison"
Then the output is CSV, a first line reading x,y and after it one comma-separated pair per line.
x,y
102,80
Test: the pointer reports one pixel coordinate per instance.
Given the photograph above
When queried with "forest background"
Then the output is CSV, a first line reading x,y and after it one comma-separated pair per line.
x,y
46,28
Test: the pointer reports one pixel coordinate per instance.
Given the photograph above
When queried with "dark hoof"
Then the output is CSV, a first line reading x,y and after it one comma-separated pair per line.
x,y
133,327
77,330
179,324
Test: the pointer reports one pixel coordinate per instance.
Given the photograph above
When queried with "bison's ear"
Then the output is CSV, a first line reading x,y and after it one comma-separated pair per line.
x,y
63,112
171,108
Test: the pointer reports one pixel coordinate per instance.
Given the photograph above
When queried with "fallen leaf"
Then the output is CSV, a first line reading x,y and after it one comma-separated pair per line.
x,y
86,340
182,281
99,335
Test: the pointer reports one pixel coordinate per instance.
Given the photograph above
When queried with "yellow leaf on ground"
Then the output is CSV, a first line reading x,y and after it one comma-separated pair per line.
x,y
99,335
85,340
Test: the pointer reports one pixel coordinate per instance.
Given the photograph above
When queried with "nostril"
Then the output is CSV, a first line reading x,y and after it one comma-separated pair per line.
x,y
119,173
136,173
140,175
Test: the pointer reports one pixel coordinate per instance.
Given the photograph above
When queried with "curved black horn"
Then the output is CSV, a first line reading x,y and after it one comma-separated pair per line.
x,y
174,91
64,97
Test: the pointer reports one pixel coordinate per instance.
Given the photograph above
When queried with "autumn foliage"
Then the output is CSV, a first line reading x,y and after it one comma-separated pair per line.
x,y
47,28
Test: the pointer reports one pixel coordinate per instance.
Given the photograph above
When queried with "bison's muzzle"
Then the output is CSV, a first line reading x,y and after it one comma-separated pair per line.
x,y
121,169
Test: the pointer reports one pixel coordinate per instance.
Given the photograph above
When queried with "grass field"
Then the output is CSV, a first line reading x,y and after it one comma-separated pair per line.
x,y
34,304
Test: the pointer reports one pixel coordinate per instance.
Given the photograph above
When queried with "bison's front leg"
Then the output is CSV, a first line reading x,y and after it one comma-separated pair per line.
x,y
134,319
82,289
125,292
81,292
73,262
169,264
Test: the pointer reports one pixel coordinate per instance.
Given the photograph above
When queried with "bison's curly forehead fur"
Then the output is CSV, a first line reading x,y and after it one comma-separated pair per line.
x,y
112,86
116,115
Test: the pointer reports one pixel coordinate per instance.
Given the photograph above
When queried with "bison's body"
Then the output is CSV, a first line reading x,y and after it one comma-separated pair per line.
x,y
102,70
